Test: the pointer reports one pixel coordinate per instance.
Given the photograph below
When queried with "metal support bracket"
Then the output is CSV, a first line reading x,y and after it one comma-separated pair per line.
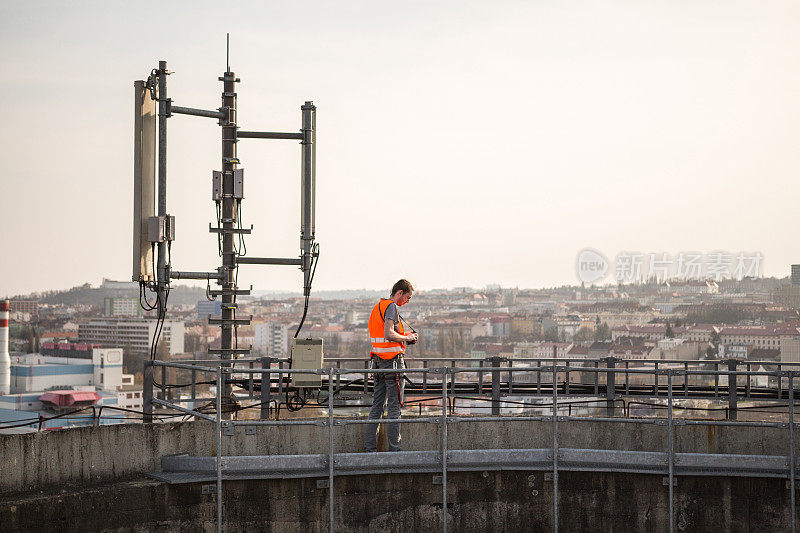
x,y
227,429
244,231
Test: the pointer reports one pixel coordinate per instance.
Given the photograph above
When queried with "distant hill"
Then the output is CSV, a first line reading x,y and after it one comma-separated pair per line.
x,y
95,296
347,294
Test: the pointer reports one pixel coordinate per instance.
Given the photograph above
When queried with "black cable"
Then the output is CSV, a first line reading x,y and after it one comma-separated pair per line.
x,y
157,333
315,259
242,246
143,302
209,297
219,224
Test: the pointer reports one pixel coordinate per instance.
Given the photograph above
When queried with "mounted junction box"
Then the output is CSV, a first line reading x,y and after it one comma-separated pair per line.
x,y
307,355
161,228
216,185
238,183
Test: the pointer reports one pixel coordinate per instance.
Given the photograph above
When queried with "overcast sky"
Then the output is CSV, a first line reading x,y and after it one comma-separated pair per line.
x,y
459,143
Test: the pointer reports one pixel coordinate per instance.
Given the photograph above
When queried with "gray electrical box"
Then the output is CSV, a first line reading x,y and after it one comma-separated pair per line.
x,y
169,228
216,187
307,355
238,183
161,228
156,229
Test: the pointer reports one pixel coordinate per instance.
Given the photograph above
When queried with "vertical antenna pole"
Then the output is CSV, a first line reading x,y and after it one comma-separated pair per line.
x,y
227,52
307,191
229,214
161,274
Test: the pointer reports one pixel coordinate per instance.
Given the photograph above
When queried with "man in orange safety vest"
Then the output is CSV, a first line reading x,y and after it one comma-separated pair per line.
x,y
388,338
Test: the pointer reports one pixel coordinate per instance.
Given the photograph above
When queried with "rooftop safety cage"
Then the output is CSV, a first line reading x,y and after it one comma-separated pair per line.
x,y
613,384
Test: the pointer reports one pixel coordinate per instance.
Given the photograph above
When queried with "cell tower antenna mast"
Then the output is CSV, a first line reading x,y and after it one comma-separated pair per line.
x,y
157,230
227,52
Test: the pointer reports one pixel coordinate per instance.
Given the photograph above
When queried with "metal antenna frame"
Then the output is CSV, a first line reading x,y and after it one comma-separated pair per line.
x,y
228,198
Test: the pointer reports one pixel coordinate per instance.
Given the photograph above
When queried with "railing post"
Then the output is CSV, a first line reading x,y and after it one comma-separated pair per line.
x,y
452,384
671,452
424,377
539,377
444,450
250,381
747,386
147,392
685,380
453,390
280,379
480,378
732,398
164,384
655,380
266,387
611,386
510,376
627,378
366,375
495,361
218,429
194,389
330,448
555,447
792,456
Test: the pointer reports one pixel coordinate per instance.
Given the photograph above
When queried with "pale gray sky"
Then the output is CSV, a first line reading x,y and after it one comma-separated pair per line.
x,y
460,143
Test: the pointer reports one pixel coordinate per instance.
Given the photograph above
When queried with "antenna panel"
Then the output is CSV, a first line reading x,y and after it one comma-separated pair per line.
x,y
144,180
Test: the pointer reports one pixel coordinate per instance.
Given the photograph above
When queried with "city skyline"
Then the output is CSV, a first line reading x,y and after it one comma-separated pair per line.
x,y
496,140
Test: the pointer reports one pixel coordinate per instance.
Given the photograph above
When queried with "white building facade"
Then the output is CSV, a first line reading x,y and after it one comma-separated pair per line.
x,y
136,332
271,338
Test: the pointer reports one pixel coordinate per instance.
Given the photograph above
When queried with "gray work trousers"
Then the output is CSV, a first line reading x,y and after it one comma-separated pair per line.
x,y
387,390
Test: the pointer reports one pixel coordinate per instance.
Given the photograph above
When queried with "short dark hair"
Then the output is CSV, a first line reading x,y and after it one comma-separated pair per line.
x,y
402,285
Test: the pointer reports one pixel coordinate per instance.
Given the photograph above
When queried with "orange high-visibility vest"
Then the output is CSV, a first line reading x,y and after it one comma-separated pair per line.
x,y
380,346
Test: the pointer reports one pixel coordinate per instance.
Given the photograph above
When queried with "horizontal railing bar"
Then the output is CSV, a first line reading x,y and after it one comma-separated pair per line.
x,y
595,360
171,364
183,409
754,423
231,361
415,420
305,422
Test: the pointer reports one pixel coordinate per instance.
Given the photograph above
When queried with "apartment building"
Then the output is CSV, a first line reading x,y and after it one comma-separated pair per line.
x,y
271,338
115,332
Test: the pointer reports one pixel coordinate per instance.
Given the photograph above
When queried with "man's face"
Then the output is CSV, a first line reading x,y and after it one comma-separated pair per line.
x,y
405,297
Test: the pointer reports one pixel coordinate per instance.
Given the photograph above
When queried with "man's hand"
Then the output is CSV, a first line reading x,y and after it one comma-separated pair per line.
x,y
412,337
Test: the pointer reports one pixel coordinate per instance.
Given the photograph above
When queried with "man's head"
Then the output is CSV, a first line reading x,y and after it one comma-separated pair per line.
x,y
402,292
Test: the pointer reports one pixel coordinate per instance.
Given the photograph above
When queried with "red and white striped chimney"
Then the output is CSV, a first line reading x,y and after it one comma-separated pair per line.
x,y
5,360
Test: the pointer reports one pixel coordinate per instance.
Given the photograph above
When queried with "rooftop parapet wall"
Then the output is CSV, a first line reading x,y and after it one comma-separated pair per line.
x,y
125,451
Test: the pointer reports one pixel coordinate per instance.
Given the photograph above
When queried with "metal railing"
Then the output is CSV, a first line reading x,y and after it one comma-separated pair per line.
x,y
644,462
